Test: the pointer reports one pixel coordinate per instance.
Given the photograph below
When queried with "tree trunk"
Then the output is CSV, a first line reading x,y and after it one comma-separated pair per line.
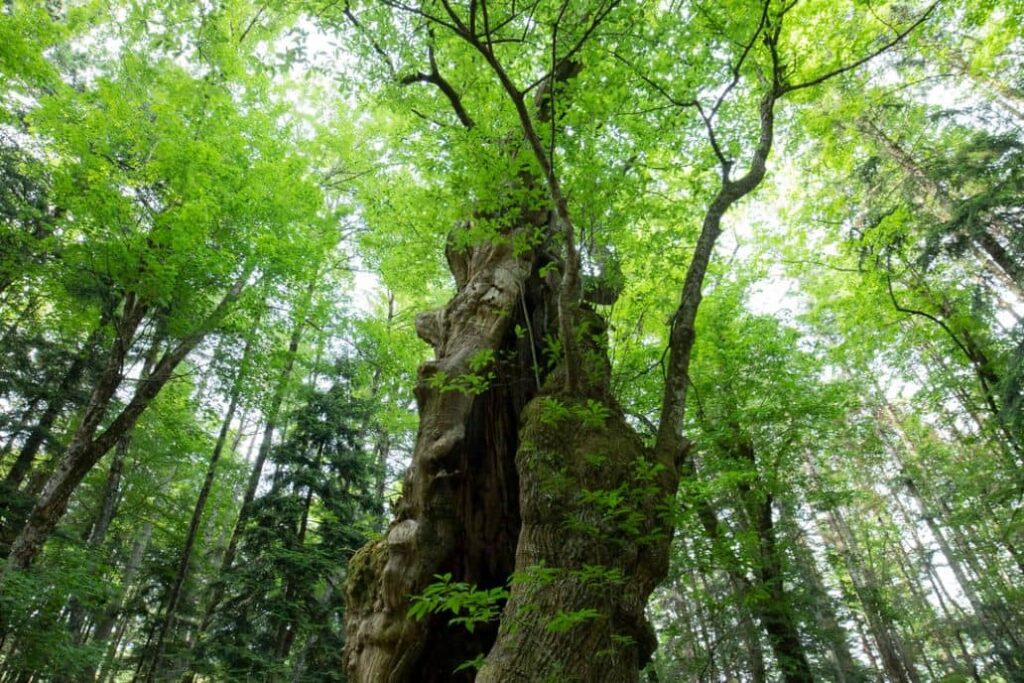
x,y
86,448
174,594
255,474
951,610
833,633
82,452
766,596
55,405
112,611
286,630
96,533
111,494
898,667
459,512
594,538
776,611
990,616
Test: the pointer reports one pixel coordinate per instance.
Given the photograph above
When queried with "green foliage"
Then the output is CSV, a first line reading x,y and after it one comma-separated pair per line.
x,y
288,576
564,621
285,178
591,414
469,605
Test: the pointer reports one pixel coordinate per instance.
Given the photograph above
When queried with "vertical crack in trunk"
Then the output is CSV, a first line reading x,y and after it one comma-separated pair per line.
x,y
459,511
594,539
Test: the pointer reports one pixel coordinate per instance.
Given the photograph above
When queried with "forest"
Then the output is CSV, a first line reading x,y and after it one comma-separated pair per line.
x,y
512,341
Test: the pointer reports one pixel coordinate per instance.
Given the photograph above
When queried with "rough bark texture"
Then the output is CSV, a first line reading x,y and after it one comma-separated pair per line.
x,y
594,537
459,512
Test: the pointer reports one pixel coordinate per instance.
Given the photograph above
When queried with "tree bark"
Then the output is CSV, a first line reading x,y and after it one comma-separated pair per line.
x,y
594,538
461,493
776,611
81,453
459,511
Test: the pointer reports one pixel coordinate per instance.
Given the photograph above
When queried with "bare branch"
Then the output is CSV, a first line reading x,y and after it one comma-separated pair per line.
x,y
658,87
457,28
928,316
736,68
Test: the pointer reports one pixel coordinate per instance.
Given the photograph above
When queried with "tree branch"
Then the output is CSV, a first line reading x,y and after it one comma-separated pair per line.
x,y
435,78
898,38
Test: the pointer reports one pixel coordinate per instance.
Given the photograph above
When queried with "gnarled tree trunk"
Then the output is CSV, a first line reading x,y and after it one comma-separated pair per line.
x,y
594,537
459,512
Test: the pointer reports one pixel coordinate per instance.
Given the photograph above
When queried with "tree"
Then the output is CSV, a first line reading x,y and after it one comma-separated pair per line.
x,y
473,332
718,379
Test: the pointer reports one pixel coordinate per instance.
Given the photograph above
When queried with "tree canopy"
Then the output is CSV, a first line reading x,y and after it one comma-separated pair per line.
x,y
543,340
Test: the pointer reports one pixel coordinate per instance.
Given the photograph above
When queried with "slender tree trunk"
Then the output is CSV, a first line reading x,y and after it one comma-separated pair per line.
x,y
767,597
112,611
776,612
287,629
834,634
256,473
771,602
111,493
174,593
116,652
897,665
751,636
55,406
707,637
916,602
952,611
299,667
742,589
81,453
96,533
1004,640
86,448
987,249
990,617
